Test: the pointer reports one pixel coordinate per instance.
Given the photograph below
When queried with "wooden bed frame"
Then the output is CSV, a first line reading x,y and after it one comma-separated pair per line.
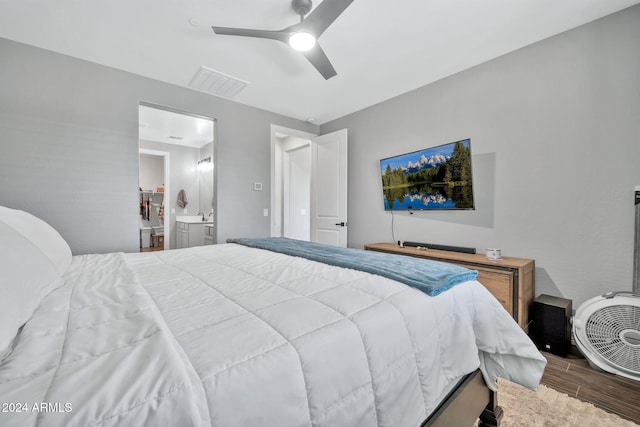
x,y
470,400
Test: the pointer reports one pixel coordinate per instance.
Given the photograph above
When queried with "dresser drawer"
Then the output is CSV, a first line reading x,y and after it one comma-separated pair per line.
x,y
499,283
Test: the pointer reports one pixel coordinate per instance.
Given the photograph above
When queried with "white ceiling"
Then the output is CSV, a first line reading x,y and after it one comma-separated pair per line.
x,y
379,48
174,128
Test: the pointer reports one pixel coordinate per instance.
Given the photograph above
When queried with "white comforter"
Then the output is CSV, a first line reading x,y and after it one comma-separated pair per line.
x,y
226,335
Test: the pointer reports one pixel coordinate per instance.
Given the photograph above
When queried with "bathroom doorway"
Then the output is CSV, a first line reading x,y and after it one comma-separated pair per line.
x,y
184,144
153,178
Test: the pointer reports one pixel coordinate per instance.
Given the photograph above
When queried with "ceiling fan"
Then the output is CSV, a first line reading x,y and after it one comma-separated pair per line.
x,y
302,36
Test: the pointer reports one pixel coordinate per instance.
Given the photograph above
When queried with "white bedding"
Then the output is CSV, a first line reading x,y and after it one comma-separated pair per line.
x,y
227,335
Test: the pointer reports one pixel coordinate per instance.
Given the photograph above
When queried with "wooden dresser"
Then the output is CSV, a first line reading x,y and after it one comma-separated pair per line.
x,y
510,280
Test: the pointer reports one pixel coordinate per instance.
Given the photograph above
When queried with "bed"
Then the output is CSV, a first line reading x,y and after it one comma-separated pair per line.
x,y
238,335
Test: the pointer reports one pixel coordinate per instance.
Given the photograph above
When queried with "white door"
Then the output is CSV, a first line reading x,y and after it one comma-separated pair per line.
x,y
329,188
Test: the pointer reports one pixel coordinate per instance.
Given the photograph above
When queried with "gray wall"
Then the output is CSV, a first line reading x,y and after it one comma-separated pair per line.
x,y
555,134
69,148
151,172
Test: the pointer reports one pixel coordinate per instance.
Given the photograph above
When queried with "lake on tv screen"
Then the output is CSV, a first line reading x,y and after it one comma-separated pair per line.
x,y
421,201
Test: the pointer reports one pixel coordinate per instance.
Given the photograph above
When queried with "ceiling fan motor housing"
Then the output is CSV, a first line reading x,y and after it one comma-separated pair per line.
x,y
301,7
607,332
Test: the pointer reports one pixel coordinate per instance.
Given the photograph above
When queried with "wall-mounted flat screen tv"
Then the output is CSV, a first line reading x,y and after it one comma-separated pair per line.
x,y
434,178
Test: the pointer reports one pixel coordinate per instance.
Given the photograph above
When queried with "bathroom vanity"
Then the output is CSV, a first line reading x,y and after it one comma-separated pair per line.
x,y
191,231
209,237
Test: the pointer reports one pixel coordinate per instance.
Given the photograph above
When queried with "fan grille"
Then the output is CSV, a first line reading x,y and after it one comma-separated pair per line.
x,y
613,332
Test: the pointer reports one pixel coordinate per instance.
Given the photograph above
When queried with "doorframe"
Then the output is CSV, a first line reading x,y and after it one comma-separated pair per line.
x,y
214,159
276,174
166,158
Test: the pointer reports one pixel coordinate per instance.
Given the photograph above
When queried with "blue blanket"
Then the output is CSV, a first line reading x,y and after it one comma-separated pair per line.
x,y
431,277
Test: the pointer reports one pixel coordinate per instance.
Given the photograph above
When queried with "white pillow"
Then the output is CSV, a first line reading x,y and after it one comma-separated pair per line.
x,y
33,256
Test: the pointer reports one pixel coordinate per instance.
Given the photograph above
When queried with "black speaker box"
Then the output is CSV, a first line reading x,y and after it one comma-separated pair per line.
x,y
441,247
550,327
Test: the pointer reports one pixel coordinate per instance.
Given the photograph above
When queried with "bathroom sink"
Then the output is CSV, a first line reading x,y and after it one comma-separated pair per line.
x,y
193,219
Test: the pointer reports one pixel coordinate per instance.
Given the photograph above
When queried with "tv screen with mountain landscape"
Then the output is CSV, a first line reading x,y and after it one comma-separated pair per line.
x,y
434,178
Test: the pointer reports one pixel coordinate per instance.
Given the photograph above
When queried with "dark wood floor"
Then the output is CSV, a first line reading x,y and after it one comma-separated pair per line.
x,y
573,376
152,249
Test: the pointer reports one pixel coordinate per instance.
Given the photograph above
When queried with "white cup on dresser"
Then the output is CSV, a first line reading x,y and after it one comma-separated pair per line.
x,y
494,253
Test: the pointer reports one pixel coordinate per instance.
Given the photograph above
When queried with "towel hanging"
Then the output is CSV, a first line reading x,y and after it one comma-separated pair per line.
x,y
182,199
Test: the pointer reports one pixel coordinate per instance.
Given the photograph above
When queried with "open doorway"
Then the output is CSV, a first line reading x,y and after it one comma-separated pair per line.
x,y
184,143
309,167
290,181
153,178
296,191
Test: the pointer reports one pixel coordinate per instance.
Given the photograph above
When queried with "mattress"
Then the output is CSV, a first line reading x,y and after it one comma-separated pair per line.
x,y
228,335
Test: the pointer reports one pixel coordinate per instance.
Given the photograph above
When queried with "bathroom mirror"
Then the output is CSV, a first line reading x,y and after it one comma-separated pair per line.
x,y
177,152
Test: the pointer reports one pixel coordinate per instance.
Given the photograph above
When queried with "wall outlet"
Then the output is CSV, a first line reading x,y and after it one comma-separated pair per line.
x,y
265,212
257,186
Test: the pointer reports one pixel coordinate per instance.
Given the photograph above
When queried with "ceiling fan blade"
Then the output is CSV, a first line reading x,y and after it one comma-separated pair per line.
x,y
262,34
323,15
319,60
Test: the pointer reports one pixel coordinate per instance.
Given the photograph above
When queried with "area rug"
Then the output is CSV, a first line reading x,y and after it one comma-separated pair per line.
x,y
549,408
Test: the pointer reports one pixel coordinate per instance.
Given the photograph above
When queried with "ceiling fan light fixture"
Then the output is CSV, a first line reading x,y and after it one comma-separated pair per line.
x,y
302,41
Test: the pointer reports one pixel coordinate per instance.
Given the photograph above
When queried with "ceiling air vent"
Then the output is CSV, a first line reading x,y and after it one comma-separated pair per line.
x,y
217,83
